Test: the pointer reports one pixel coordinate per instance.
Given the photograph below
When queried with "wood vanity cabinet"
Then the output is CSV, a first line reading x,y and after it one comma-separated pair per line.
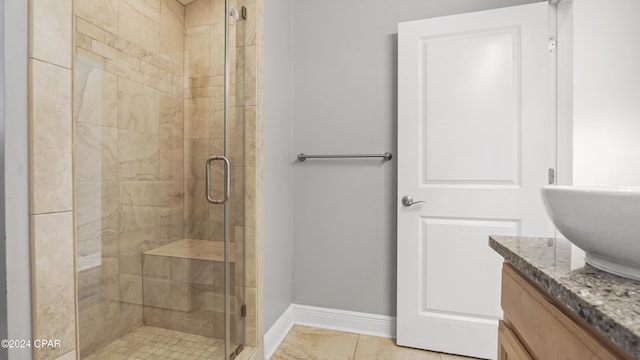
x,y
537,326
509,347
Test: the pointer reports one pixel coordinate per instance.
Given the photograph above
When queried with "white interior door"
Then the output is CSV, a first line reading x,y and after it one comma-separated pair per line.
x,y
475,142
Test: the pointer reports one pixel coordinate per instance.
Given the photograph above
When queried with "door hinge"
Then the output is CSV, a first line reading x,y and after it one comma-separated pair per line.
x,y
552,176
243,310
552,44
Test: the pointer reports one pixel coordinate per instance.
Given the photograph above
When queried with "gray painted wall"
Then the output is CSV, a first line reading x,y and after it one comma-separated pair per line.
x,y
16,175
4,353
278,179
345,102
606,87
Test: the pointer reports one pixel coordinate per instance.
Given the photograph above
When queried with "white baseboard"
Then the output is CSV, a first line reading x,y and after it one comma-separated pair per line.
x,y
277,332
342,320
324,318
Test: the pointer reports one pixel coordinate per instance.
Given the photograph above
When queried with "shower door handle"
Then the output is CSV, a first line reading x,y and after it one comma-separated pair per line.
x,y
227,182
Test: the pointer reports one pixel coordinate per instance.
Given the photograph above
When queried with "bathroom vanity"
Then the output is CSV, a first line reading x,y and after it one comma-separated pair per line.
x,y
557,307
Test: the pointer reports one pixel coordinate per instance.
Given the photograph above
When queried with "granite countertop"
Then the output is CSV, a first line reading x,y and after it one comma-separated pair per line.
x,y
610,303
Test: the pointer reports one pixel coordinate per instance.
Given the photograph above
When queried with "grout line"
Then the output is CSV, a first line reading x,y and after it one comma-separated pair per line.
x,y
356,348
48,62
51,212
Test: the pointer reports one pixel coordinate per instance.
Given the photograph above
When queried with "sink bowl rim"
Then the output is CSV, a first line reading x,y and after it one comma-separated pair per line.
x,y
568,206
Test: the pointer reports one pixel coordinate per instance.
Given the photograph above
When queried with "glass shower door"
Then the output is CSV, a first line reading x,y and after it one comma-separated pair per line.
x,y
235,150
215,131
159,90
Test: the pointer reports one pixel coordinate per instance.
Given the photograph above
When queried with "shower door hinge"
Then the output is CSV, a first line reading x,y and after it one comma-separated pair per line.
x,y
239,349
552,44
552,176
234,354
243,310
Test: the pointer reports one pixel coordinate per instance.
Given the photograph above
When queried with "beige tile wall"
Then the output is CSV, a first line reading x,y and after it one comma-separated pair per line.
x,y
184,294
204,117
51,208
128,121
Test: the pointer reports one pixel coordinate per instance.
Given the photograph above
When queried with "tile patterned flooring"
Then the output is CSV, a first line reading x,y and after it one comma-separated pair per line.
x,y
318,344
302,343
153,343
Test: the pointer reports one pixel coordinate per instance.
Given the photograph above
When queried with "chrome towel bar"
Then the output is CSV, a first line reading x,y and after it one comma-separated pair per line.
x,y
386,156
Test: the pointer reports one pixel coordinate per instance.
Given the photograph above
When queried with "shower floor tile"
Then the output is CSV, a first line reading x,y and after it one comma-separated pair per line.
x,y
153,343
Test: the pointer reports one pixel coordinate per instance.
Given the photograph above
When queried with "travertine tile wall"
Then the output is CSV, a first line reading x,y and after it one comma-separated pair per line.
x,y
249,46
184,294
204,116
128,102
51,208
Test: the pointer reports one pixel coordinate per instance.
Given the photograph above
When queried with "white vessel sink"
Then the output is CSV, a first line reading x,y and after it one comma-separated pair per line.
x,y
602,221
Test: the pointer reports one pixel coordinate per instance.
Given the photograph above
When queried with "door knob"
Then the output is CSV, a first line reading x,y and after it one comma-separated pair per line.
x,y
408,201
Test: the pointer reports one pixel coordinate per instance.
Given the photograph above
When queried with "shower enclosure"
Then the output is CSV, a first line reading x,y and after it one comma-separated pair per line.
x,y
159,177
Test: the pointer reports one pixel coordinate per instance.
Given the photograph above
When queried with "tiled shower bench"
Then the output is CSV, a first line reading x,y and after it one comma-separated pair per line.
x,y
192,272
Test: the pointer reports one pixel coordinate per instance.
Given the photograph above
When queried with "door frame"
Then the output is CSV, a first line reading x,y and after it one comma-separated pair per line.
x,y
561,28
